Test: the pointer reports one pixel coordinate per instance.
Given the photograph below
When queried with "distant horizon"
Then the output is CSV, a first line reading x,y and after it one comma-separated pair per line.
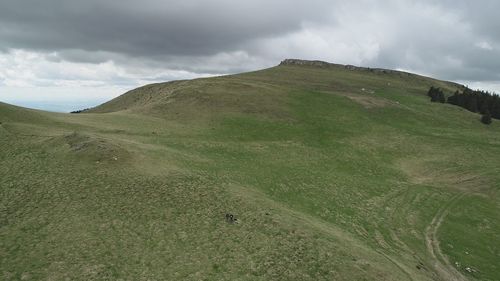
x,y
65,100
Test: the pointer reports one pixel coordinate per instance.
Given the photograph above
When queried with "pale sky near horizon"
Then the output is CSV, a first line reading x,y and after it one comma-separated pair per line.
x,y
63,55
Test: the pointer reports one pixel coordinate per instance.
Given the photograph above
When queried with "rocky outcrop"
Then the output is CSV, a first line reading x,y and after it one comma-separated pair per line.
x,y
308,63
322,64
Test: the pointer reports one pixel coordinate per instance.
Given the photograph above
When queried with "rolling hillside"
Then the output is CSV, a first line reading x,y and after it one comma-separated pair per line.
x,y
334,173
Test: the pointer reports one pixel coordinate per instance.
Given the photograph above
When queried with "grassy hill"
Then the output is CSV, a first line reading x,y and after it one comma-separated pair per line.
x,y
334,173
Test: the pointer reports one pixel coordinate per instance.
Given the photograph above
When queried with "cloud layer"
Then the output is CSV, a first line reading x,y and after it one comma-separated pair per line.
x,y
91,44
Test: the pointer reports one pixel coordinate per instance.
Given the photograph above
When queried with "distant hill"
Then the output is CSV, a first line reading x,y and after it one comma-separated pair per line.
x,y
292,73
304,171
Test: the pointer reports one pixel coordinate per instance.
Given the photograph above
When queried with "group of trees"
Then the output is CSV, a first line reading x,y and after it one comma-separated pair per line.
x,y
80,110
473,100
436,95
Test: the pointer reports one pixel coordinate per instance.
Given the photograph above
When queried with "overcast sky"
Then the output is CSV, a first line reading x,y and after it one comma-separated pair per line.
x,y
65,54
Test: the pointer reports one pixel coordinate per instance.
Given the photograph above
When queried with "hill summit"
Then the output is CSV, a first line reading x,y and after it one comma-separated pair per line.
x,y
318,63
260,88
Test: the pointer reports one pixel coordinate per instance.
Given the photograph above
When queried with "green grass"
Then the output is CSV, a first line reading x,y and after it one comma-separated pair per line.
x,y
328,181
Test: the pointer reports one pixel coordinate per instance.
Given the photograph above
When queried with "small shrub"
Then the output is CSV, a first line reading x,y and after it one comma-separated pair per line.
x,y
486,118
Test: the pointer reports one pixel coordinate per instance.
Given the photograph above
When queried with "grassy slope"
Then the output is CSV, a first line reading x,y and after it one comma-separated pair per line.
x,y
334,174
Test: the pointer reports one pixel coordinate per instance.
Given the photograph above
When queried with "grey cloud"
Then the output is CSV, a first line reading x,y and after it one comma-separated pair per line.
x,y
151,27
441,38
436,37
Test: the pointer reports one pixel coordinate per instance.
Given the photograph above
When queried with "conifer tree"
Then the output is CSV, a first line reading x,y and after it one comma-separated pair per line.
x,y
441,97
483,108
472,103
495,109
454,99
431,91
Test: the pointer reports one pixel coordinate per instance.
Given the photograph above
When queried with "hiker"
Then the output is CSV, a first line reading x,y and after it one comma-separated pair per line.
x,y
230,218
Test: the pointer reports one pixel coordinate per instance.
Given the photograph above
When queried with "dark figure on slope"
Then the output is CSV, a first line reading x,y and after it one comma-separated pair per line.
x,y
231,219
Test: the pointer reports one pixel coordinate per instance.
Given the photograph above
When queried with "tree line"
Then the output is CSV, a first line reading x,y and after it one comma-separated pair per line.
x,y
80,110
477,101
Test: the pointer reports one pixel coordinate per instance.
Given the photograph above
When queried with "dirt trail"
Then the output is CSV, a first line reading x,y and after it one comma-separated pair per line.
x,y
441,263
356,246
